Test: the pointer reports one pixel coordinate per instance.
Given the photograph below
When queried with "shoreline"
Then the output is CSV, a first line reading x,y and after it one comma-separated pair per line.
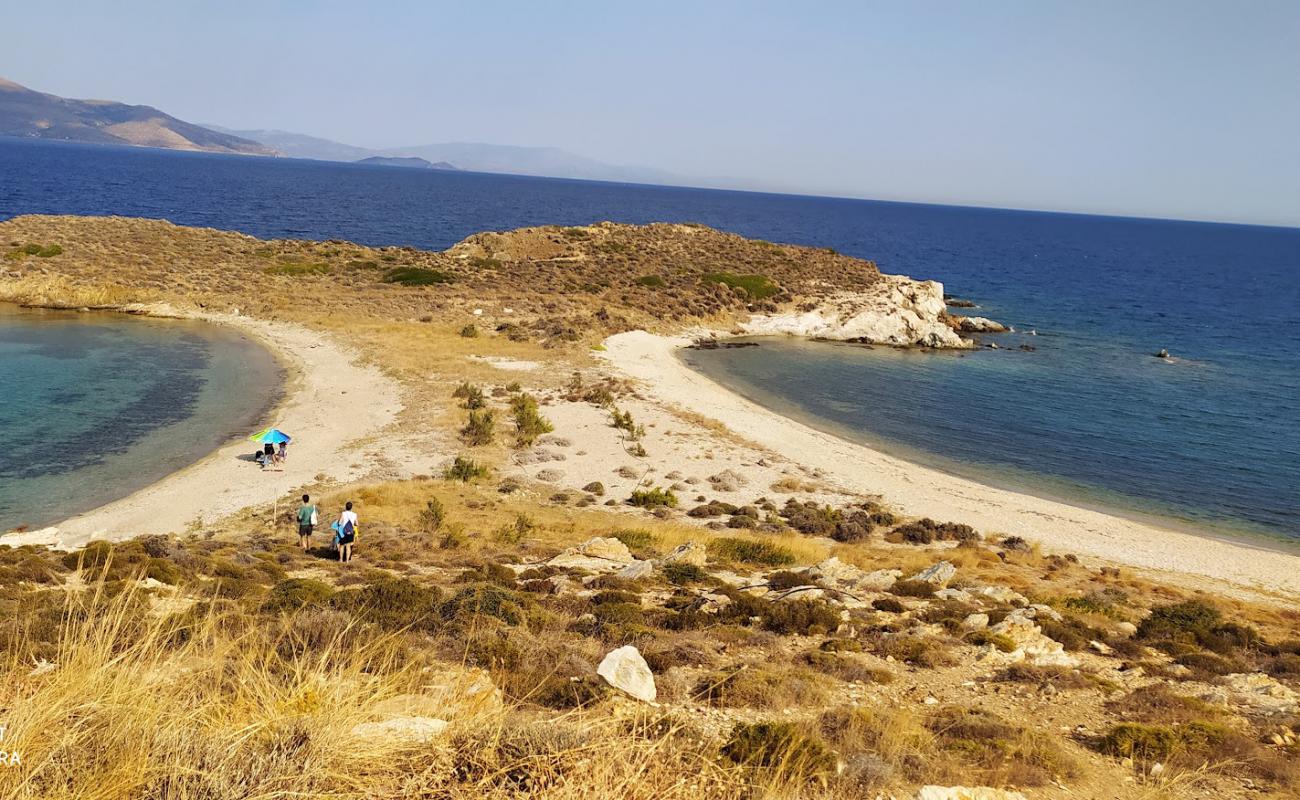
x,y
329,426
917,490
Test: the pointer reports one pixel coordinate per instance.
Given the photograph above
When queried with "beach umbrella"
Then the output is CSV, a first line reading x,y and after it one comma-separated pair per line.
x,y
270,436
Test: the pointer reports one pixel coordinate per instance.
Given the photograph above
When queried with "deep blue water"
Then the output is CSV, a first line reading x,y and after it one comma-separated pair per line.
x,y
1211,437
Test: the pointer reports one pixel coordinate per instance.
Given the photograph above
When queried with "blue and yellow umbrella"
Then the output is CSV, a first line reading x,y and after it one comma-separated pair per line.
x,y
271,436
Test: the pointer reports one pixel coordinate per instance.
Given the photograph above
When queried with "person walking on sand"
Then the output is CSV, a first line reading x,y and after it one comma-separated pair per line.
x,y
307,519
347,531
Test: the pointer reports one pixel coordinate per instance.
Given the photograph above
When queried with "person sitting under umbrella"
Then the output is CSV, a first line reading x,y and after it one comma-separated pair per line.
x,y
269,438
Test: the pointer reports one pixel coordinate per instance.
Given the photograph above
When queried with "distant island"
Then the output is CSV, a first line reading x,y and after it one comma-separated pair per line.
x,y
412,162
28,113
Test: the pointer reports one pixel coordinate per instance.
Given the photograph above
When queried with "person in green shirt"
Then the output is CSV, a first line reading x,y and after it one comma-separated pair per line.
x,y
306,521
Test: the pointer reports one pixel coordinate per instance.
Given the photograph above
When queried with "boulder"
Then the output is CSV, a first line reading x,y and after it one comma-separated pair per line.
x,y
1126,628
626,670
402,730
960,595
939,574
975,622
835,574
980,325
636,570
598,554
1031,645
1001,594
689,553
966,793
710,603
1257,692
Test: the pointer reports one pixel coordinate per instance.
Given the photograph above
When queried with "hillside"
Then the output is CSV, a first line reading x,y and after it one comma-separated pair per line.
x,y
28,113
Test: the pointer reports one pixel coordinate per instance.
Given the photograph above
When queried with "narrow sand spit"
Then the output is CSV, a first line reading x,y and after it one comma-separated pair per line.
x,y
921,491
332,405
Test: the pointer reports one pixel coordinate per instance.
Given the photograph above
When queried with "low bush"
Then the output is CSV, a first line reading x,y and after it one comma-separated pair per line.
x,y
465,469
654,497
469,332
651,281
755,287
782,747
392,604
294,593
913,588
753,686
479,428
888,605
529,423
747,551
416,276
680,573
296,269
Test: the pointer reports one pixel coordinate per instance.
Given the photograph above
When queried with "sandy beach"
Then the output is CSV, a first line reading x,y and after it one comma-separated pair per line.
x,y
917,490
334,406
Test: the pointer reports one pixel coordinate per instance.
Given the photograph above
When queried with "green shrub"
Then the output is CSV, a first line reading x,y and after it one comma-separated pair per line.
x,y
432,516
469,332
913,588
756,287
654,497
163,571
517,531
465,469
529,423
479,428
1140,742
483,599
651,281
295,269
49,251
888,605
471,395
416,276
484,262
782,747
747,551
392,604
680,573
294,593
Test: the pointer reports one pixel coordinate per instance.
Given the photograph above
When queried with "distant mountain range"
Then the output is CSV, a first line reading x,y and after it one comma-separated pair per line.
x,y
474,156
24,112
28,113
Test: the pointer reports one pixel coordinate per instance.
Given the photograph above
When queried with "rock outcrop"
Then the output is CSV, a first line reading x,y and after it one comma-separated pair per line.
x,y
895,311
626,670
597,554
966,793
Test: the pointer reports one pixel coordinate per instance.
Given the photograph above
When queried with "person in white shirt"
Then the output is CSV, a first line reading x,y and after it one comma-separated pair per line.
x,y
347,531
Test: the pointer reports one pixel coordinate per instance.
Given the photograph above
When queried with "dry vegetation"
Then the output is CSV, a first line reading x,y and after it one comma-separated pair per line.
x,y
227,663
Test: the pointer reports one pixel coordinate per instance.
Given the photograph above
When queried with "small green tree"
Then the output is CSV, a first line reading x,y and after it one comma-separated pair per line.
x,y
480,428
529,423
433,515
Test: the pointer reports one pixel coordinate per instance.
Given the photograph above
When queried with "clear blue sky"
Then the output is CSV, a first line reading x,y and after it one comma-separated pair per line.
x,y
1175,109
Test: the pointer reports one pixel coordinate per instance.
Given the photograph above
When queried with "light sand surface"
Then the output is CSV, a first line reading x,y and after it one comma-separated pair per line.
x,y
1188,559
334,406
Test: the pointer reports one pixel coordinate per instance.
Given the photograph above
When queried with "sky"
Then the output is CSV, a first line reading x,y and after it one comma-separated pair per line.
x,y
1182,109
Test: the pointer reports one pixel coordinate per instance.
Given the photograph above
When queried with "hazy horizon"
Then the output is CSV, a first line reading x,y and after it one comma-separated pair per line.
x,y
1175,110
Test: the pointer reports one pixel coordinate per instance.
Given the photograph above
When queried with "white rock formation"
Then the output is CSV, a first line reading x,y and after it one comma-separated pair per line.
x,y
939,574
1031,645
626,670
597,554
896,311
835,574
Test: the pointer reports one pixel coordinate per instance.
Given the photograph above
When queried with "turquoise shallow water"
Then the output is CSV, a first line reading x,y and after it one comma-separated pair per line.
x,y
95,406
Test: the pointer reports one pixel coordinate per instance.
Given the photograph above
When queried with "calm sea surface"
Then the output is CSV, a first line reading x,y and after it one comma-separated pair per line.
x,y
1088,414
94,406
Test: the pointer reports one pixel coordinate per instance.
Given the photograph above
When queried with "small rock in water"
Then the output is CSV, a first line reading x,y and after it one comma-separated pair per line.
x,y
1162,354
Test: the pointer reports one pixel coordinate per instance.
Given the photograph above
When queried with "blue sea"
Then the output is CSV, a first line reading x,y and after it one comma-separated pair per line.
x,y
1210,438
